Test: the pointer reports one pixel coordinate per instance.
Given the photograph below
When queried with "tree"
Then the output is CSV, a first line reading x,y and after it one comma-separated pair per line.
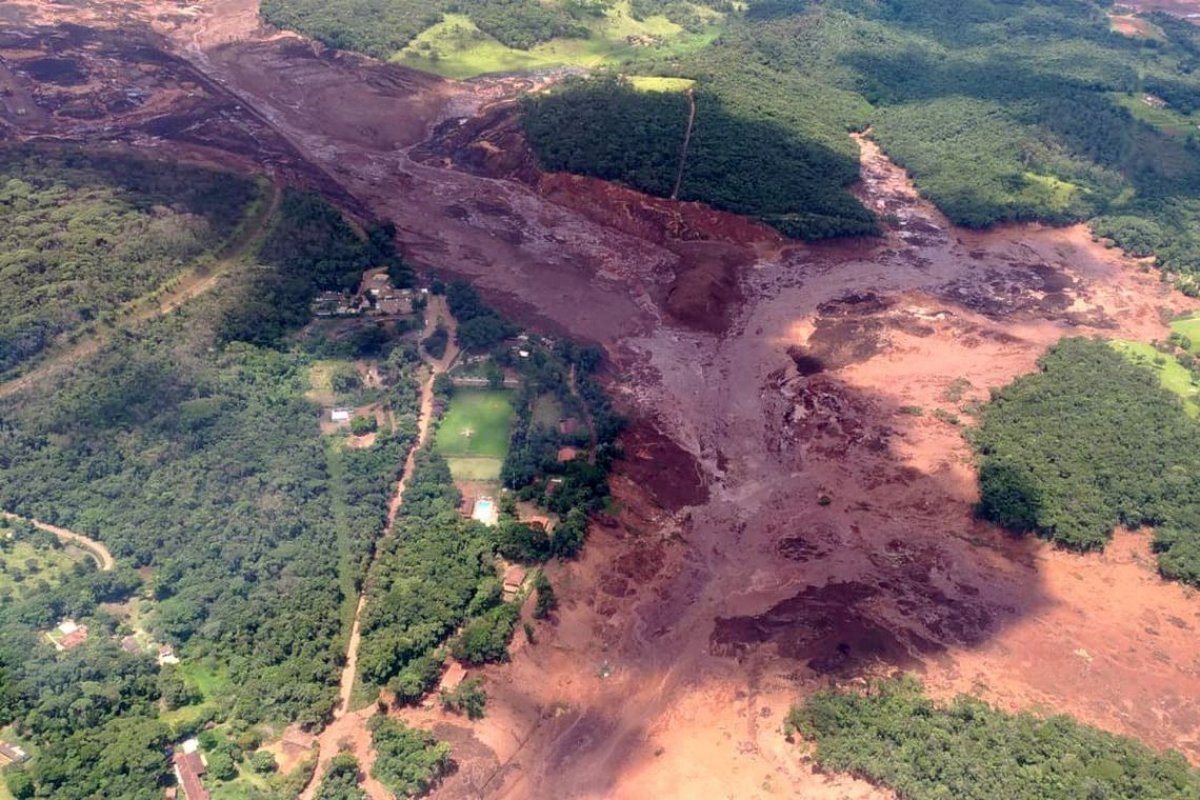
x,y
547,601
221,765
486,638
263,762
408,761
467,698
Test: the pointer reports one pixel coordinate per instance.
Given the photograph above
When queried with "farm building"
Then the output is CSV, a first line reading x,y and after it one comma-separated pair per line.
x,y
514,579
68,635
12,753
189,766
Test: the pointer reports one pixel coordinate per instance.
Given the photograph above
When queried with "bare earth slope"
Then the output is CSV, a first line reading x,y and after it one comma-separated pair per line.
x,y
782,519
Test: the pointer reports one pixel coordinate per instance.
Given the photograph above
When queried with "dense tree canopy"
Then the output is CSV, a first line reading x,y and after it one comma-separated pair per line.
x,y
199,457
1090,442
968,750
82,234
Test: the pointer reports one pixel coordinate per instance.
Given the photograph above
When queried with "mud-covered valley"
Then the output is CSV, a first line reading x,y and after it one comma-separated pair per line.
x,y
781,520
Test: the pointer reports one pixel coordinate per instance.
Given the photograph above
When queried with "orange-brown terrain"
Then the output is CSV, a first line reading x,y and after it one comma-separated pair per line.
x,y
781,520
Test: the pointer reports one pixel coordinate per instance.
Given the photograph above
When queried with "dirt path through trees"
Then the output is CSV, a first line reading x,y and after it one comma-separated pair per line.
x,y
687,140
349,728
188,285
99,553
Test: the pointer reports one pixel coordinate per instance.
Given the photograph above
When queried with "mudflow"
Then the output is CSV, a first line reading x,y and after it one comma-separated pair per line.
x,y
780,521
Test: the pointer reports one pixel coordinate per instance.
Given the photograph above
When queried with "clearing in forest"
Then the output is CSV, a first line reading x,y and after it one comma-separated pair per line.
x,y
1173,375
457,48
473,435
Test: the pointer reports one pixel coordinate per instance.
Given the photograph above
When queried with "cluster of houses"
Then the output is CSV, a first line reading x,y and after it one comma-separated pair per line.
x,y
69,634
376,297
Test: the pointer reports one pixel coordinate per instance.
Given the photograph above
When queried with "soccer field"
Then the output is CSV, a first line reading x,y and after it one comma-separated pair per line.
x,y
477,424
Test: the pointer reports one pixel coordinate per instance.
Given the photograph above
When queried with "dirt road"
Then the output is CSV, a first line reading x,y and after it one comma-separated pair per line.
x,y
191,283
687,140
98,552
350,726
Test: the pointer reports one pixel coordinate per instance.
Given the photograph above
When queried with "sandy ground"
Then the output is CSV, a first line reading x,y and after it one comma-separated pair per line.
x,y
780,522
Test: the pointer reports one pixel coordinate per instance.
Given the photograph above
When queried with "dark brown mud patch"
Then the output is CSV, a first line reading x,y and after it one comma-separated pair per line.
x,y
59,71
806,363
827,628
670,475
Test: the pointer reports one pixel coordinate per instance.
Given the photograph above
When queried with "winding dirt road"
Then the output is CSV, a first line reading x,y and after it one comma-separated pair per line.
x,y
96,550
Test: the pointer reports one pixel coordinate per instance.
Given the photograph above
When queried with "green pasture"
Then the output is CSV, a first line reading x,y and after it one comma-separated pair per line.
x,y
23,567
456,48
1171,373
1190,327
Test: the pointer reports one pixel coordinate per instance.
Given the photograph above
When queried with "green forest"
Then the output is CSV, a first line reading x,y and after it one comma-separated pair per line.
x,y
746,163
894,736
1089,442
189,447
81,235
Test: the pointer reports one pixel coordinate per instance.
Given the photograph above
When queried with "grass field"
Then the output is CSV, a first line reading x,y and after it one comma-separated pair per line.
x,y
477,424
1189,327
473,435
208,681
650,83
23,567
1167,120
456,48
1170,372
547,411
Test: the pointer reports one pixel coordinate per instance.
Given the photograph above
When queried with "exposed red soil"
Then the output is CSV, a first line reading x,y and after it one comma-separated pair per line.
x,y
781,522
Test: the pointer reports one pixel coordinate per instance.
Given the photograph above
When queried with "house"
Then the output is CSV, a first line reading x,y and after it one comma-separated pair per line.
x,y
485,511
12,753
453,677
553,485
566,454
189,766
514,579
73,639
340,415
69,635
166,655
130,645
567,426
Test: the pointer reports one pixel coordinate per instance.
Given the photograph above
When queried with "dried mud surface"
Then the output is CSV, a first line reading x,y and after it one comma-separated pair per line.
x,y
783,519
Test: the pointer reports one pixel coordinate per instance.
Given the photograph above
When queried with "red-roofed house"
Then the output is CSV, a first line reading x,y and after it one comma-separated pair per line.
x,y
188,769
514,579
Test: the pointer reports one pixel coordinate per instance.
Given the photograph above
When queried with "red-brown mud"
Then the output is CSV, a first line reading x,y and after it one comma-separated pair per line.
x,y
796,506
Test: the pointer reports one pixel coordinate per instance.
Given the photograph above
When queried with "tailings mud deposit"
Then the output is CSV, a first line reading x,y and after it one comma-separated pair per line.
x,y
796,507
